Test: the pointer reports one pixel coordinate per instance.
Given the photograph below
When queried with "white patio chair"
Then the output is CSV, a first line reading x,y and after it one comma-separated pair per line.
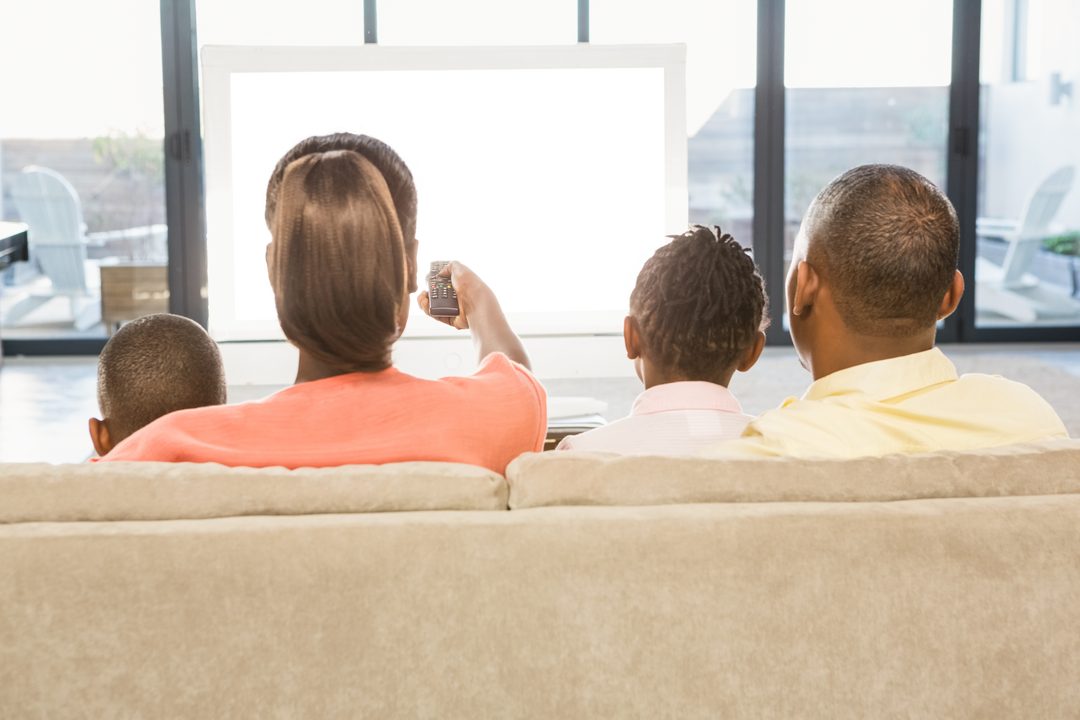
x,y
50,206
1010,290
146,243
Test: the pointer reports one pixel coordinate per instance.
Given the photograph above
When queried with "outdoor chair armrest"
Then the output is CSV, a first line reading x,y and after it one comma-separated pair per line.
x,y
995,227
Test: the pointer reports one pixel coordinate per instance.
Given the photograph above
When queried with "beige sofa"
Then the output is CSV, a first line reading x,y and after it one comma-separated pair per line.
x,y
935,586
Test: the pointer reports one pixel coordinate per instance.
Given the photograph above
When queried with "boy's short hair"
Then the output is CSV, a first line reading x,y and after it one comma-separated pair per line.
x,y
699,302
156,365
887,241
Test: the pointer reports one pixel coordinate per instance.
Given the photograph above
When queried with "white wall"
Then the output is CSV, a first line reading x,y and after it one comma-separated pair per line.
x,y
274,363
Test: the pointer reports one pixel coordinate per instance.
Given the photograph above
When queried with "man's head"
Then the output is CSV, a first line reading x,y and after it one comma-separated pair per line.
x,y
698,310
151,367
874,266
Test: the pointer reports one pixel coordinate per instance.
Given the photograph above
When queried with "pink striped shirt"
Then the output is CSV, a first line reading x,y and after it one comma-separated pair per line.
x,y
681,418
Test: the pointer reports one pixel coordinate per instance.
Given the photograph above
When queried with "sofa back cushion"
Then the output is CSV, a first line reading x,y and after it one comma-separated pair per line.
x,y
38,492
592,478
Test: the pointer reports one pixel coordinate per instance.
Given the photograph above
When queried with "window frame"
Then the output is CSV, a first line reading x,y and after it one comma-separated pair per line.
x,y
185,196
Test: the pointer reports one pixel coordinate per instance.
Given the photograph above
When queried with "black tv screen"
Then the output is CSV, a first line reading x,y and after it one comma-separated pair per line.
x,y
547,182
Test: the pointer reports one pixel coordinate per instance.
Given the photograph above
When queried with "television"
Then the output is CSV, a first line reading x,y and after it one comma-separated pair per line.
x,y
553,172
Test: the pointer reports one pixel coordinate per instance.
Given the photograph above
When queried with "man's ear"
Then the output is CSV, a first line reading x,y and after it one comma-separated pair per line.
x,y
807,286
951,301
750,357
99,434
410,265
631,338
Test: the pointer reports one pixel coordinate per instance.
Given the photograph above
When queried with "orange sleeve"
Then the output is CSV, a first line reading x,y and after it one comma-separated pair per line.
x,y
527,386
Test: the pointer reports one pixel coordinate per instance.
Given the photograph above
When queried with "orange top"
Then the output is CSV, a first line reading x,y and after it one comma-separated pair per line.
x,y
487,419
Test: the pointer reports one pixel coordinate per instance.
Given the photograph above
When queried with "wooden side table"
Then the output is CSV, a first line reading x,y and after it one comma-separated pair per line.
x,y
131,290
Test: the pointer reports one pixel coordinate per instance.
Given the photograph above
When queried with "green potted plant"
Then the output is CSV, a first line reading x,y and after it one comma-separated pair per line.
x,y
1067,244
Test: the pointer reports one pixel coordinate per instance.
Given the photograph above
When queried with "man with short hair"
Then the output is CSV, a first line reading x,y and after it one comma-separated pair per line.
x,y
874,269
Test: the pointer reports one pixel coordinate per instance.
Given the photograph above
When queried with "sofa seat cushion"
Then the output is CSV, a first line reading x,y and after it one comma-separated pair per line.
x,y
594,478
39,492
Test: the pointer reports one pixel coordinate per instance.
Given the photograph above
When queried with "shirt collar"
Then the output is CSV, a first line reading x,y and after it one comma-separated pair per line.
x,y
688,395
885,379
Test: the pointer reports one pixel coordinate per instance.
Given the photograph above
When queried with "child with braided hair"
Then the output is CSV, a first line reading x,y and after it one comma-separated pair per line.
x,y
697,314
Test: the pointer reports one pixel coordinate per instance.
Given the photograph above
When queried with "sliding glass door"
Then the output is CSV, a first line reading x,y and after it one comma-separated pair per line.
x,y
82,167
1027,265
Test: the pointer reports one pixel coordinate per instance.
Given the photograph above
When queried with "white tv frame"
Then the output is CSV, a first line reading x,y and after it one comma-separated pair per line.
x,y
220,62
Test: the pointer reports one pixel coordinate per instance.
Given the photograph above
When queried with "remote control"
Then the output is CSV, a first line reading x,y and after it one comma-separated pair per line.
x,y
442,295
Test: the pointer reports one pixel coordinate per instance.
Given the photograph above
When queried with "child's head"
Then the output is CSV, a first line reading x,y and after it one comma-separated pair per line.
x,y
698,310
151,367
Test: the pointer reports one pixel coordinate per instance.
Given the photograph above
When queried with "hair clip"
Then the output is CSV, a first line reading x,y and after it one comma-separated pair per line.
x,y
628,280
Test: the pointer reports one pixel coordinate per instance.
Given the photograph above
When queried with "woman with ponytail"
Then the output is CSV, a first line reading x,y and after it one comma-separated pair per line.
x,y
342,264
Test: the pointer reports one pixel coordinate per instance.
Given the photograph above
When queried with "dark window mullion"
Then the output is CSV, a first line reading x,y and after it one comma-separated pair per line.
x,y
184,197
962,172
769,110
371,23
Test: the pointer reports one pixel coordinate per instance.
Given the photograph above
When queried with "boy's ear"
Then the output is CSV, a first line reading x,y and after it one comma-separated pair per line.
x,y
631,338
99,434
750,357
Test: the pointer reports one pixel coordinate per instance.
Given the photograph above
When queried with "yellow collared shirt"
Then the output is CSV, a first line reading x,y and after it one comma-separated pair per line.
x,y
910,404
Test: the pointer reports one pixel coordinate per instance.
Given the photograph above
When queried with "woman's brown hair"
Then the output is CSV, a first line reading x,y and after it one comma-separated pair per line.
x,y
382,156
337,261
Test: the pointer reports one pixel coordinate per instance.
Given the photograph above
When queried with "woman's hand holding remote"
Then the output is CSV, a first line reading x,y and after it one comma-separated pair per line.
x,y
480,313
458,274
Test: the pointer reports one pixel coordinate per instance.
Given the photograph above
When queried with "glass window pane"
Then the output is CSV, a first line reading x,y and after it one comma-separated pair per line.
x,y
82,163
721,72
281,22
859,93
477,22
1028,224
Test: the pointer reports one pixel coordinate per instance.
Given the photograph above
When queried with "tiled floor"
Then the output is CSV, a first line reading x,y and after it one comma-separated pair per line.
x,y
45,402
